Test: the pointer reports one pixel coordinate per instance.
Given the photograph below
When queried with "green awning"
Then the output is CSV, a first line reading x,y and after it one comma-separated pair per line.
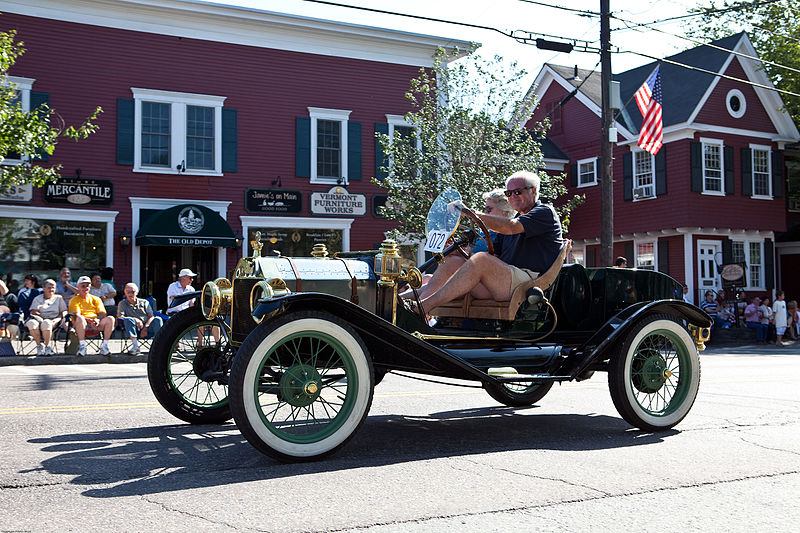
x,y
185,225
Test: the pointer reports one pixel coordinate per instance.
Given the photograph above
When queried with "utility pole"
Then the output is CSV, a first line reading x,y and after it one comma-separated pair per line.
x,y
606,172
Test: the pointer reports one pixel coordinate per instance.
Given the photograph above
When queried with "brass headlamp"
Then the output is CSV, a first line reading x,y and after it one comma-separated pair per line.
x,y
216,297
388,263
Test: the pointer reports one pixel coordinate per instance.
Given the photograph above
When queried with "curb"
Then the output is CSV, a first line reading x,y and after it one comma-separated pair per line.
x,y
30,360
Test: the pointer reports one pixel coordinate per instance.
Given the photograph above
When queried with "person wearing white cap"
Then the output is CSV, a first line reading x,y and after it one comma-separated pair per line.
x,y
90,313
184,284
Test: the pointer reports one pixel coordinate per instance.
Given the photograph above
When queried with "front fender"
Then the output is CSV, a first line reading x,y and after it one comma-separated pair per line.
x,y
598,347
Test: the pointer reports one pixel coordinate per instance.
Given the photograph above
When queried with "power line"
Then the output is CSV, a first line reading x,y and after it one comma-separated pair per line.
x,y
583,12
704,13
775,33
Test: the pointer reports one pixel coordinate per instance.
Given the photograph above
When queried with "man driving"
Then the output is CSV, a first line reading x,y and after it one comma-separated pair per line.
x,y
526,245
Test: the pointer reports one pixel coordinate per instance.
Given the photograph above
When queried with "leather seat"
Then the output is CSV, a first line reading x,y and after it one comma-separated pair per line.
x,y
468,307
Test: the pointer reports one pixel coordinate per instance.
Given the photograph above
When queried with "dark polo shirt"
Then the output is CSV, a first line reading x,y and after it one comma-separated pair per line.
x,y
538,246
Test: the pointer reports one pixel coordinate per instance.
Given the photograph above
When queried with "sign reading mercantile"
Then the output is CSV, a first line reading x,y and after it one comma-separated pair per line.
x,y
17,193
79,191
273,201
337,201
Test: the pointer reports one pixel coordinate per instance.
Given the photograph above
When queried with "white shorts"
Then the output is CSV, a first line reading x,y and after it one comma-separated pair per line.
x,y
520,276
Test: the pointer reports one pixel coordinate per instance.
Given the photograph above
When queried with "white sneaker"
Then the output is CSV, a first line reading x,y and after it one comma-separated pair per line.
x,y
135,350
39,349
81,351
104,350
48,350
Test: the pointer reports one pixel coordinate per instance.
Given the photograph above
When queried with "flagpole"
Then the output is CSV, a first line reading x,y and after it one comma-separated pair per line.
x,y
606,161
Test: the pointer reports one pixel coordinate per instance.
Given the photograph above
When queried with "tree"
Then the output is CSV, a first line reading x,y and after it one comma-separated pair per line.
x,y
460,138
29,134
774,29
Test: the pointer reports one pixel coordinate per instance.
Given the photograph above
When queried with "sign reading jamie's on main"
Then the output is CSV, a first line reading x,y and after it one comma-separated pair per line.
x,y
337,201
273,201
79,191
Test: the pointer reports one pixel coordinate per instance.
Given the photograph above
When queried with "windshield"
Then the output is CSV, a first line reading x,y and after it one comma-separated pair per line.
x,y
442,223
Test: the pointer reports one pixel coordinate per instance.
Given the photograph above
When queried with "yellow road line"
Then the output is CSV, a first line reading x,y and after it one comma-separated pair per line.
x,y
66,408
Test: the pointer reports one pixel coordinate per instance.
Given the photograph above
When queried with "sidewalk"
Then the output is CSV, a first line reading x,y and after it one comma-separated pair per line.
x,y
91,358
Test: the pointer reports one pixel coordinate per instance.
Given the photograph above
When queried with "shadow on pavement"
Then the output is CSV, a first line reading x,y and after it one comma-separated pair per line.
x,y
160,459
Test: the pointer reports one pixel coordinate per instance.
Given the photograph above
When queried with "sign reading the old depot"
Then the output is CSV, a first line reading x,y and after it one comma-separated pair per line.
x,y
273,201
338,201
79,191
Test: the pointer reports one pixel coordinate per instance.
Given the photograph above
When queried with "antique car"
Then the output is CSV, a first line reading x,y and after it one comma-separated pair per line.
x,y
292,348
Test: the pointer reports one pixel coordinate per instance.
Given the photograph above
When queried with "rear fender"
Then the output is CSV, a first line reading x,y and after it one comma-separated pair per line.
x,y
598,347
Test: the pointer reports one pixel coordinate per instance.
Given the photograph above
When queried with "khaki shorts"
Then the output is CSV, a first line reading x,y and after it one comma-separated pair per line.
x,y
520,276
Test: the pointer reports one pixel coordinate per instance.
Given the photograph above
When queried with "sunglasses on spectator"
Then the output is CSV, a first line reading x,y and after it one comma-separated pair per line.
x,y
517,192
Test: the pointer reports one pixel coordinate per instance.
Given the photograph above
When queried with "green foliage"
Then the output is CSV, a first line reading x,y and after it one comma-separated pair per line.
x,y
462,139
773,27
30,133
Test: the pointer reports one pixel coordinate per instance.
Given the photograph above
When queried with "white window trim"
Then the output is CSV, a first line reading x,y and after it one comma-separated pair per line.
x,y
593,161
339,115
742,110
177,155
636,243
768,149
652,171
297,222
721,145
59,213
760,242
24,86
139,203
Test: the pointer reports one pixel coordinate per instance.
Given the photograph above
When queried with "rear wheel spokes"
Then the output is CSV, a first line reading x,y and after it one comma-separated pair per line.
x,y
193,354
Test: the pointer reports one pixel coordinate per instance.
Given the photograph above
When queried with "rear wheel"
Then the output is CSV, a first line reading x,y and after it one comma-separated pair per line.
x,y
187,368
518,394
301,386
654,374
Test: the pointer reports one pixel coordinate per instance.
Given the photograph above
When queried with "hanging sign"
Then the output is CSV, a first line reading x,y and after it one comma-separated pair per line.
x,y
273,201
337,201
17,193
79,191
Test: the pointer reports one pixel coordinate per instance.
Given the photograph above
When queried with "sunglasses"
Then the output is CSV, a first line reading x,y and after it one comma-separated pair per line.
x,y
517,192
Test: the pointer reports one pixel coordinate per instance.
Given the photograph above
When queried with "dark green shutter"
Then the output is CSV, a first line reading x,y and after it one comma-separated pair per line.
x,y
727,251
38,99
777,174
747,172
591,257
728,151
696,152
353,151
573,174
663,256
769,264
627,177
302,154
661,171
230,140
125,131
381,160
629,254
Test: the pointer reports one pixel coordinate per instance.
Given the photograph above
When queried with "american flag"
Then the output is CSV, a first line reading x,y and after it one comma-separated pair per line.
x,y
648,98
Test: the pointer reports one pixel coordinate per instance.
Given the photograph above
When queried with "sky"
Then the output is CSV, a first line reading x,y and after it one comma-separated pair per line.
x,y
511,15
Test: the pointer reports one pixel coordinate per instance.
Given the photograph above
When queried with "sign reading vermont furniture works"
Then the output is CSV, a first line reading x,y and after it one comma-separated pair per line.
x,y
79,191
337,201
273,201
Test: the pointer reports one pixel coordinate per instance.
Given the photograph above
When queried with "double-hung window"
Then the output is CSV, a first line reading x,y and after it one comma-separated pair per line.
x,y
587,172
646,255
762,171
177,132
644,180
328,145
750,253
22,98
713,166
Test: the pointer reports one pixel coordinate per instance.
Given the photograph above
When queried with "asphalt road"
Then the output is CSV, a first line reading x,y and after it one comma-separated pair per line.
x,y
87,448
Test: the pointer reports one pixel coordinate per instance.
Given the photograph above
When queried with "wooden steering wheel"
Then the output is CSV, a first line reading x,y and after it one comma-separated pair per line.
x,y
484,232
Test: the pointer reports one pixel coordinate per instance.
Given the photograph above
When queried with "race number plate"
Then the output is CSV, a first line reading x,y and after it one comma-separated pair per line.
x,y
436,241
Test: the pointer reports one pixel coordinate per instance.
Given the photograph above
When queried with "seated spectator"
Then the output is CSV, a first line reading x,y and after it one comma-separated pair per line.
x,y
184,284
4,308
752,317
721,298
25,296
107,276
725,317
137,317
767,320
792,320
47,310
64,285
621,262
104,291
90,313
709,305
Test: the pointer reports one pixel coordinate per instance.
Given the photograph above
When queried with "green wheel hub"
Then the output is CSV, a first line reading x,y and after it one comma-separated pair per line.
x,y
649,371
300,385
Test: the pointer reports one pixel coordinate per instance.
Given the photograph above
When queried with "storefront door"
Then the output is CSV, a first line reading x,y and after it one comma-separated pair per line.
x,y
161,264
707,276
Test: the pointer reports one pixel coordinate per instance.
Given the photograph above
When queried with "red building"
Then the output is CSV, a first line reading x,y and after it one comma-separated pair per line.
x,y
218,122
716,191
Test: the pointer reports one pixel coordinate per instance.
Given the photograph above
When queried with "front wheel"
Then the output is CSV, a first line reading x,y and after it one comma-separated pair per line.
x,y
518,394
301,385
654,374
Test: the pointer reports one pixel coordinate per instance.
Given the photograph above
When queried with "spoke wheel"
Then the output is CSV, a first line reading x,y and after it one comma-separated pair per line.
x,y
187,369
301,386
518,394
654,374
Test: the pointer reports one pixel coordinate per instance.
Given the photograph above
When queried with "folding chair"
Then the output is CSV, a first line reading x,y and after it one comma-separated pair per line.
x,y
93,337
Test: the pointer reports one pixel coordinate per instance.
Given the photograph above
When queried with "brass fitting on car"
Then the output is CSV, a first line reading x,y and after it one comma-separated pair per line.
x,y
266,290
388,263
700,336
216,298
320,251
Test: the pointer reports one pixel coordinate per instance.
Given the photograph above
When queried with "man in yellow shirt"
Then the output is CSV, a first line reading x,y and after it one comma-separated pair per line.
x,y
90,313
